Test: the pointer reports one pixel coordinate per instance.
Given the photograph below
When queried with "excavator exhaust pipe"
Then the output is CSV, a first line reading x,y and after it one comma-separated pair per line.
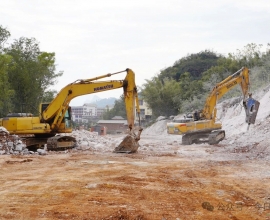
x,y
130,143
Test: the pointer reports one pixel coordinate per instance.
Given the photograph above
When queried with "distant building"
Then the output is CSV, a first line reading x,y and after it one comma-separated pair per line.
x,y
90,112
146,111
118,118
100,112
77,113
114,126
87,112
101,130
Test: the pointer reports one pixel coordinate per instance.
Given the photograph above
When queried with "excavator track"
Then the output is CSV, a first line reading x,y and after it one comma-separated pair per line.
x,y
61,143
211,137
54,143
216,136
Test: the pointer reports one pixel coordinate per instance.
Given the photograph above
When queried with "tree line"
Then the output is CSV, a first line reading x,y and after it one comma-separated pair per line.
x,y
184,86
26,74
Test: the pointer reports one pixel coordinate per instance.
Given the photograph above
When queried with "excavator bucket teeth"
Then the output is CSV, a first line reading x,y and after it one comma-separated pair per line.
x,y
128,145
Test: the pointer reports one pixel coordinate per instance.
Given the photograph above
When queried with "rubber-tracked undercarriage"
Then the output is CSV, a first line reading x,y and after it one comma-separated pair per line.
x,y
210,137
55,143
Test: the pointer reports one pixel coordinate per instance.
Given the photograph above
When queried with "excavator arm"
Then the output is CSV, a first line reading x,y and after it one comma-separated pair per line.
x,y
241,77
58,107
55,111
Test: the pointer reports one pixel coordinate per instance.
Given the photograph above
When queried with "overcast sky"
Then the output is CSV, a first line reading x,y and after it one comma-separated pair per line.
x,y
92,38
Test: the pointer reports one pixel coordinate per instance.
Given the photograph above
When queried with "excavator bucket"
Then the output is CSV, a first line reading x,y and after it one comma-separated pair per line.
x,y
129,144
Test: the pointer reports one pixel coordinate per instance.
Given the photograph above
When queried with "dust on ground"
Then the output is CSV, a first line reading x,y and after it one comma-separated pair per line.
x,y
171,182
163,180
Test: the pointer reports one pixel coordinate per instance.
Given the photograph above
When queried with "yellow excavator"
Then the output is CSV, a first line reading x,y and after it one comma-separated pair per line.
x,y
55,117
201,126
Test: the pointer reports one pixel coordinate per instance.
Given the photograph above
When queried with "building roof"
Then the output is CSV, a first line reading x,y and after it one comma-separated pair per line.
x,y
112,122
77,107
117,118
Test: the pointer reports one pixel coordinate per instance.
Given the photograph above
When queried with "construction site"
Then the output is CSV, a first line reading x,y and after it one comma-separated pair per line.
x,y
135,110
164,179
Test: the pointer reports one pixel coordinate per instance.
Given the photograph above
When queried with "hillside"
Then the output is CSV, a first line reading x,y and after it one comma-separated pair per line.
x,y
163,180
102,103
232,116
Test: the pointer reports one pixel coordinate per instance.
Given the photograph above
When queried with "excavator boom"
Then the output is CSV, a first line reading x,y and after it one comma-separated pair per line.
x,y
241,77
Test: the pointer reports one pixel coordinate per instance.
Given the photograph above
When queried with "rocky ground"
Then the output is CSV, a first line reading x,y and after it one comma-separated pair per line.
x,y
163,180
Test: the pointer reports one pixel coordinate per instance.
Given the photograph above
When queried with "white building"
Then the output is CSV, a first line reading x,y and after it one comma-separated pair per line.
x,y
77,113
89,110
145,111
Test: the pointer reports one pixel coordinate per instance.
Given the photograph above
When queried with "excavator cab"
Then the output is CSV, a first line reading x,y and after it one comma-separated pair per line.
x,y
67,118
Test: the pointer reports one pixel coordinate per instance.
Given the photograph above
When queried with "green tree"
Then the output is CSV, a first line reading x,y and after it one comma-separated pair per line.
x,y
163,97
119,109
4,35
49,96
249,56
195,64
31,73
193,77
260,75
6,93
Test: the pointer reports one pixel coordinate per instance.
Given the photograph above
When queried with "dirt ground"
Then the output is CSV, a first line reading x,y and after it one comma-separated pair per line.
x,y
183,182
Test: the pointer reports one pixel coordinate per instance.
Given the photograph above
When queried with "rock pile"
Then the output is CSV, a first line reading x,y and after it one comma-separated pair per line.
x,y
87,140
11,144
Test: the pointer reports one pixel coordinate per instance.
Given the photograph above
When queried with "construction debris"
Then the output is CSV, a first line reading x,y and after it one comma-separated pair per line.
x,y
11,144
239,142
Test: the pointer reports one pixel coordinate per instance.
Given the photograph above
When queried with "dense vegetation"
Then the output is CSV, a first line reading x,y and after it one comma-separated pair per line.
x,y
26,74
119,109
185,85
